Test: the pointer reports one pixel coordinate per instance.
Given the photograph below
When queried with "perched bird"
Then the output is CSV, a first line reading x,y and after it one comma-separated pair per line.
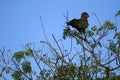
x,y
80,24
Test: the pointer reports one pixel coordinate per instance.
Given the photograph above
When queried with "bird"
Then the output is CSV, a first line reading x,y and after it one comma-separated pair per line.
x,y
80,24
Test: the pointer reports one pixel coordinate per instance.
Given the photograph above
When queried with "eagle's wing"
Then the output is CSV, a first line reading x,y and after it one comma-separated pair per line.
x,y
80,24
73,23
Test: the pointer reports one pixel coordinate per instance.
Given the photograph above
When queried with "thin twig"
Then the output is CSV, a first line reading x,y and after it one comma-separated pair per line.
x,y
97,18
70,47
48,43
116,24
43,30
57,44
66,17
37,62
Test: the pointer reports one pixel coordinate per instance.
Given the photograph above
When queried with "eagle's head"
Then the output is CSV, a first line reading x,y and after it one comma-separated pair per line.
x,y
84,15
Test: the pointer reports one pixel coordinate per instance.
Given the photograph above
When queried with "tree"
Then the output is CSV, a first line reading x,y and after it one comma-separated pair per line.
x,y
91,43
93,60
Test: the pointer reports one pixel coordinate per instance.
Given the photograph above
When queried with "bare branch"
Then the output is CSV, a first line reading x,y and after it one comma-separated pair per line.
x,y
97,18
57,44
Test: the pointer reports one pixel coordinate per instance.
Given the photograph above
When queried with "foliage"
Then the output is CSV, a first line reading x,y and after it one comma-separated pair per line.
x,y
17,75
118,13
18,55
26,66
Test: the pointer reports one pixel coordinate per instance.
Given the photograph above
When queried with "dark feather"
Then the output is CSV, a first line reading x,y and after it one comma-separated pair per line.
x,y
80,24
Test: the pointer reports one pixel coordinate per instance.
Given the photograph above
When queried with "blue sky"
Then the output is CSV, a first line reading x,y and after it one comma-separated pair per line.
x,y
20,24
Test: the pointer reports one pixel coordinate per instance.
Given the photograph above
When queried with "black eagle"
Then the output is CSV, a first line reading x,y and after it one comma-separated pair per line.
x,y
80,24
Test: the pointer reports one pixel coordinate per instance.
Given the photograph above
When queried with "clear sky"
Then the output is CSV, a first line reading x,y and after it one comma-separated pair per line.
x,y
20,24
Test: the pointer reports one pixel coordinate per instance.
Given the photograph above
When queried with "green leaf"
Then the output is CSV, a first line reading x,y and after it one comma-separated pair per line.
x,y
29,52
117,35
117,14
88,58
26,66
107,26
18,55
17,75
94,28
112,46
66,32
8,70
90,33
3,69
98,70
99,43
